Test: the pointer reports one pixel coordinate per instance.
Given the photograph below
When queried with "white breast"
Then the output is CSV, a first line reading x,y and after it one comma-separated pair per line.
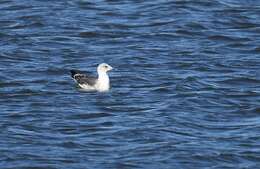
x,y
102,82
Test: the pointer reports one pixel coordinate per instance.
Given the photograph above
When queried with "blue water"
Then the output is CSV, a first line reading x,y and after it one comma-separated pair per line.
x,y
185,93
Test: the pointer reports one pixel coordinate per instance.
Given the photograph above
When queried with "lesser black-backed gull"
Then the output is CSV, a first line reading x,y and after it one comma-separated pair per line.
x,y
101,83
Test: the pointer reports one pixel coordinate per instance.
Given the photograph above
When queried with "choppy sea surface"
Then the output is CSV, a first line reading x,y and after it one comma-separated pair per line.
x,y
185,93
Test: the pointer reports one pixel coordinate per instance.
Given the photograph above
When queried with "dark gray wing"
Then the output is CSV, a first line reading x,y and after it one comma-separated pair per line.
x,y
83,78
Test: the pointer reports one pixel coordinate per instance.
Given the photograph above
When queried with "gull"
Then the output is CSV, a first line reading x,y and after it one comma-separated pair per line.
x,y
101,83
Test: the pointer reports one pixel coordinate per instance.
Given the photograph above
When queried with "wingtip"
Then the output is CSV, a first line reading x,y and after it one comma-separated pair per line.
x,y
73,72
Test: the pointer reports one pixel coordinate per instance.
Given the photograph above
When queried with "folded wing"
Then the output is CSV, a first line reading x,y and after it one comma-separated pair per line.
x,y
81,78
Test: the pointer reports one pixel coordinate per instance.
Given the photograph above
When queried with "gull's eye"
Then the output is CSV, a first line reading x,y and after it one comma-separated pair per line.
x,y
106,66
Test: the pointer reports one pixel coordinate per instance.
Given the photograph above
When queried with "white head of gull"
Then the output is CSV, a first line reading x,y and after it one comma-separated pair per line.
x,y
101,83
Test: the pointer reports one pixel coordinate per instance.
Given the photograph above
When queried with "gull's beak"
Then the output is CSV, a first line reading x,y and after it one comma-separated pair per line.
x,y
111,68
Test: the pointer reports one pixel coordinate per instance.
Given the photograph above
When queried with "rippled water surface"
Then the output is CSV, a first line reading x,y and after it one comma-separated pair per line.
x,y
185,92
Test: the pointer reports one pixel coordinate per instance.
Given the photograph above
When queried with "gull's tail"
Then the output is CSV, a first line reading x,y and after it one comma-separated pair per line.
x,y
73,72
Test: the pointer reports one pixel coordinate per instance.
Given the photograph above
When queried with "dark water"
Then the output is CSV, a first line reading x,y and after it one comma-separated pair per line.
x,y
186,92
